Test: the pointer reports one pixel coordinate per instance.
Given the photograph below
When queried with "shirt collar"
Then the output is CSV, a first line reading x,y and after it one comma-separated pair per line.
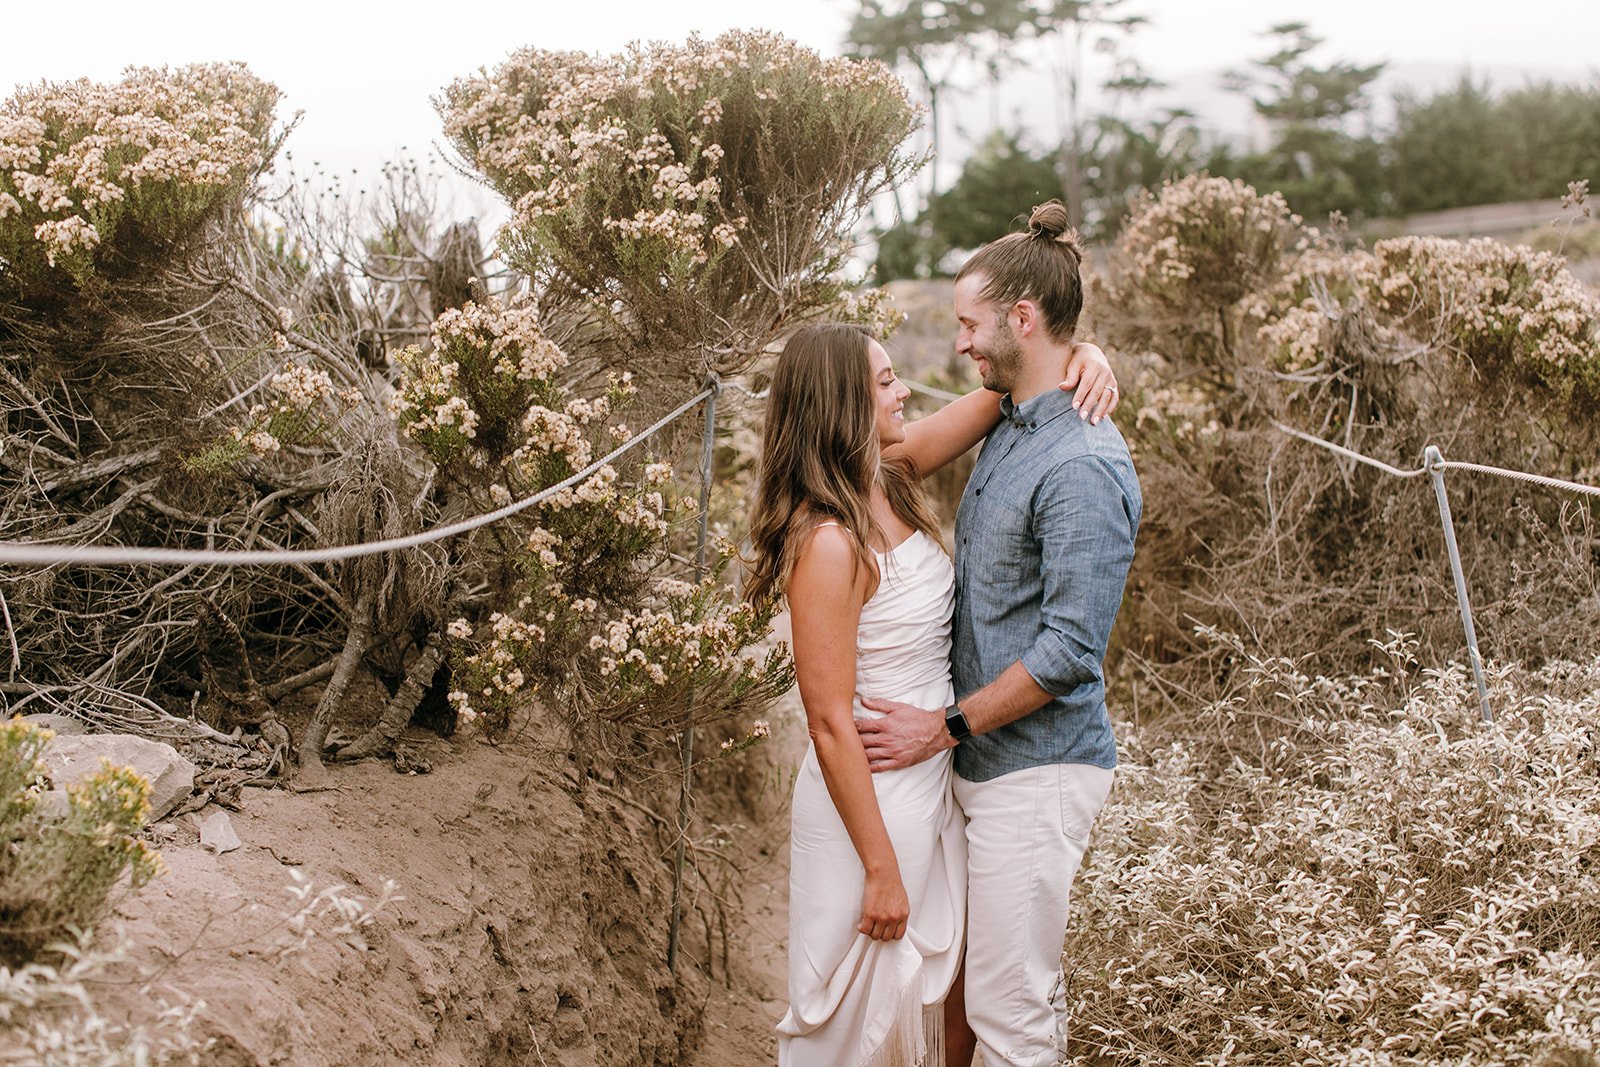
x,y
1036,411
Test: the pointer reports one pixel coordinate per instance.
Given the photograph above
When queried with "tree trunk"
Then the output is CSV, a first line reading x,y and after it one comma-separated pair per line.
x,y
380,739
361,622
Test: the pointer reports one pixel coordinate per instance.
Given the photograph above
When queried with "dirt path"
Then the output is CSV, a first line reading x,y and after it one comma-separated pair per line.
x,y
528,930
741,1013
740,1016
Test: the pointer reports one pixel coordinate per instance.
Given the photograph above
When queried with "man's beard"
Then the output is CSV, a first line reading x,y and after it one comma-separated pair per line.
x,y
1004,360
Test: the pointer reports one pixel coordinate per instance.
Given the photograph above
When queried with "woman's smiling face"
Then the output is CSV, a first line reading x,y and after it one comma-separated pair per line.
x,y
889,397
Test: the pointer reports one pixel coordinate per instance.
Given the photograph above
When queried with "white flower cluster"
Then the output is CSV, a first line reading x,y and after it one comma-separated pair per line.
x,y
62,237
1184,410
543,543
74,155
1485,292
428,403
873,308
1482,299
760,730
511,335
259,441
497,665
301,387
678,635
486,360
565,127
558,432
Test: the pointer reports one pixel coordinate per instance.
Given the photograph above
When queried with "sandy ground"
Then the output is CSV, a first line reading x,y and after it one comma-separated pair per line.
x,y
742,1012
531,927
526,924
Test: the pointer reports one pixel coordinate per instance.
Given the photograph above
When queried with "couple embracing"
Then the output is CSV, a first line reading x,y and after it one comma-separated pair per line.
x,y
955,701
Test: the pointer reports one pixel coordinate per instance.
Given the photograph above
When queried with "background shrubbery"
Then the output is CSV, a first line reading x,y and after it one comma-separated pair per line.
x,y
187,362
1316,853
1238,317
239,376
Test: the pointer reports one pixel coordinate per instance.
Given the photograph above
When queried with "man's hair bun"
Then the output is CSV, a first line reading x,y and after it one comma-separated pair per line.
x,y
1050,222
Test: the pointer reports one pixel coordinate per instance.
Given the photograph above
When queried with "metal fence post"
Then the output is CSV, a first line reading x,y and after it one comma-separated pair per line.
x,y
1435,462
686,745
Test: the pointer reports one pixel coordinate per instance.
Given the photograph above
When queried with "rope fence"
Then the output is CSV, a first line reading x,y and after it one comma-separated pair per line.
x,y
35,552
1435,464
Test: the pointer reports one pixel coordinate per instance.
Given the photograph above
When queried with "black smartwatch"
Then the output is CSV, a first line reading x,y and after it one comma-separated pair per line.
x,y
956,723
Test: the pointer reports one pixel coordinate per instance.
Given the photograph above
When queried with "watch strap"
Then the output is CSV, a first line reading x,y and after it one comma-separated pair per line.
x,y
956,722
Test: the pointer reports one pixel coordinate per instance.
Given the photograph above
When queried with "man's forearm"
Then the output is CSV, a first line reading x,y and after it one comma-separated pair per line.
x,y
1006,699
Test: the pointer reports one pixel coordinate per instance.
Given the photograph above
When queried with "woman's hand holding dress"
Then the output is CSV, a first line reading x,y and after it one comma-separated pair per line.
x,y
884,906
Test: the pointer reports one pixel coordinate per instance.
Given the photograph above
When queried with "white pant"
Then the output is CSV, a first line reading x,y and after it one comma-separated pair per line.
x,y
1026,833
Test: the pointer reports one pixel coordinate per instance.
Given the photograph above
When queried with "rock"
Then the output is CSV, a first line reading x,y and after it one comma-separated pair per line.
x,y
70,758
216,832
57,724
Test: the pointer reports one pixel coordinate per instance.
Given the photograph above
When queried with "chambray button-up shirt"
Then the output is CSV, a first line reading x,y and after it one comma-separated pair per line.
x,y
1044,538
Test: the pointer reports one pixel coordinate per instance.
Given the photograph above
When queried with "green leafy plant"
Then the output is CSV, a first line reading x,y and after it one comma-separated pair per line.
x,y
58,870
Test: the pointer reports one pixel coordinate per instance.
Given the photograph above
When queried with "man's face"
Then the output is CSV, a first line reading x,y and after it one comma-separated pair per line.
x,y
984,335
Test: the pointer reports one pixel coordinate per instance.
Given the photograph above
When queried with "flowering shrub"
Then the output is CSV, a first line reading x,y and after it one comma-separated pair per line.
x,y
487,370
1200,246
56,871
1348,871
1510,312
692,193
98,178
302,405
676,659
585,617
1244,319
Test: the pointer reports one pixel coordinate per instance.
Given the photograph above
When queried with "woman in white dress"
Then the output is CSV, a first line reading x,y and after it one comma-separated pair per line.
x,y
841,528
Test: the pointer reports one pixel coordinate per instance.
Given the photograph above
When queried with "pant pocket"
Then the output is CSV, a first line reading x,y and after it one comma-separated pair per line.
x,y
1083,793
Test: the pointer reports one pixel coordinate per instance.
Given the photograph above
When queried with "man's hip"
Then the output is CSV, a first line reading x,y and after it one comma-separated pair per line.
x,y
1026,835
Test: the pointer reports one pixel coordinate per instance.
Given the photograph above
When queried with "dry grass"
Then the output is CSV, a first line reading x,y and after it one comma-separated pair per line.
x,y
1348,870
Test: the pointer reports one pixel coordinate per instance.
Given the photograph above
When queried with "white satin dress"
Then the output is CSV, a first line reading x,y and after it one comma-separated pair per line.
x,y
855,1002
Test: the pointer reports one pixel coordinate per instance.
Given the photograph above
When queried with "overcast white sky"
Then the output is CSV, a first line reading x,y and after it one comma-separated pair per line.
x,y
363,72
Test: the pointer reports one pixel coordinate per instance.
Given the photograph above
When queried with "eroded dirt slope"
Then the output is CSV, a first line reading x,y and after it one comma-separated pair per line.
x,y
532,927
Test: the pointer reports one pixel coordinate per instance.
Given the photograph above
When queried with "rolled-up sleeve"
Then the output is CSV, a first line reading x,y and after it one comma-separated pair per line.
x,y
1085,523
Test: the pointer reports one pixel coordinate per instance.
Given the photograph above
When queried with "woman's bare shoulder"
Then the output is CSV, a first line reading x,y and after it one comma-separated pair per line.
x,y
828,560
827,542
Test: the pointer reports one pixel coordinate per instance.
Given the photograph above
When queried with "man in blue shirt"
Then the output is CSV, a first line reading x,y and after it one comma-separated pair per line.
x,y
1044,539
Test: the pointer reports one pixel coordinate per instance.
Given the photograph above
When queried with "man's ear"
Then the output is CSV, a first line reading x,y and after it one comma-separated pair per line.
x,y
1027,314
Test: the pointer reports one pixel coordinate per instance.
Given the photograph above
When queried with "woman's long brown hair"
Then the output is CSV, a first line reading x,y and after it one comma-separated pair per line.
x,y
820,457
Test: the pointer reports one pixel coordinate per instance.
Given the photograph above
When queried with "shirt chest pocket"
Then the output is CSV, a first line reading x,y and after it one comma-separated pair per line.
x,y
1006,572
1013,553
995,545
